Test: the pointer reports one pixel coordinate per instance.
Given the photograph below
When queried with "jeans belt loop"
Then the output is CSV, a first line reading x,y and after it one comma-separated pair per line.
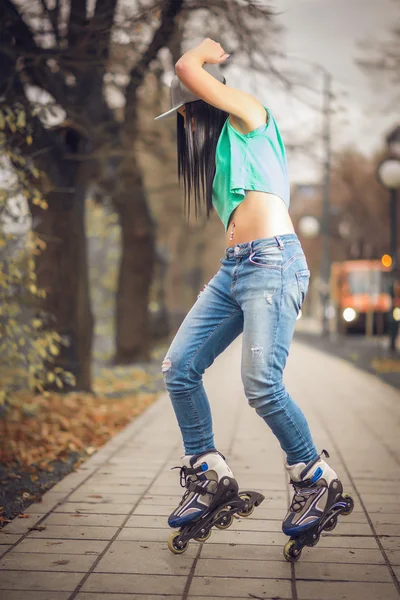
x,y
279,242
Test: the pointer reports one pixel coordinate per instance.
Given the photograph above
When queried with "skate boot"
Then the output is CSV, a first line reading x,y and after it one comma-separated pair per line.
x,y
316,505
211,498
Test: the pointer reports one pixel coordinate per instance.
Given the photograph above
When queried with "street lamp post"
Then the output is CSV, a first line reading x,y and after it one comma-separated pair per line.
x,y
389,176
325,220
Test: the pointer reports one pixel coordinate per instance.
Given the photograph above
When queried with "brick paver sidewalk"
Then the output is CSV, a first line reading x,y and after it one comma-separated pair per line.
x,y
101,532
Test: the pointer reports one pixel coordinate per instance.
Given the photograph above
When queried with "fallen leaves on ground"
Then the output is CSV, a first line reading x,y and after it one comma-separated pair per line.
x,y
60,424
386,365
46,436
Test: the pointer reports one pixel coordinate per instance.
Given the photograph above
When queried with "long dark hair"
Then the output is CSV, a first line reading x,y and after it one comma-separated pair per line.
x,y
196,152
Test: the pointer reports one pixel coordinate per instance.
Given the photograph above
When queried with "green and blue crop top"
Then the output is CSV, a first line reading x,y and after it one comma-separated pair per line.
x,y
249,161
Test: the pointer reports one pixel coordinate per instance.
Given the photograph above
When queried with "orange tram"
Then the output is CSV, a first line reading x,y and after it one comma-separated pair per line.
x,y
360,294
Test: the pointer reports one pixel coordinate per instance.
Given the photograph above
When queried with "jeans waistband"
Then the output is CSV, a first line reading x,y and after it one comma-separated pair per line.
x,y
246,248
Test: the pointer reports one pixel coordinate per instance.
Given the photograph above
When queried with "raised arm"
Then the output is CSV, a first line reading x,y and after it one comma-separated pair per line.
x,y
246,111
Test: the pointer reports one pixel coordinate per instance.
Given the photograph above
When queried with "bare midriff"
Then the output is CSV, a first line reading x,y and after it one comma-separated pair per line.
x,y
259,215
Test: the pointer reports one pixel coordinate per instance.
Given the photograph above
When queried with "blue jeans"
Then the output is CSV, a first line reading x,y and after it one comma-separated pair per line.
x,y
258,290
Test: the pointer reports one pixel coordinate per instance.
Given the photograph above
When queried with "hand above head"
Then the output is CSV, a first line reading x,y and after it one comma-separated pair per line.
x,y
210,51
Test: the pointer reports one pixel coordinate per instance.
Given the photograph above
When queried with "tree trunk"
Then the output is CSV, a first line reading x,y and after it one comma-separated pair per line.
x,y
62,272
133,339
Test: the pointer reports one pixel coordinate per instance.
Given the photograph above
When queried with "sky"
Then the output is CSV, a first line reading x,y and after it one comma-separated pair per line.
x,y
329,32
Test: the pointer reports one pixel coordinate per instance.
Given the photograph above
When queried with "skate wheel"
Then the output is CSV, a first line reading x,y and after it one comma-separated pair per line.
x,y
173,544
290,552
203,538
249,511
224,521
350,504
331,524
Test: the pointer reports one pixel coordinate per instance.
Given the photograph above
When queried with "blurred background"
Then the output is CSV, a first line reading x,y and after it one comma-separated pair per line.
x,y
98,263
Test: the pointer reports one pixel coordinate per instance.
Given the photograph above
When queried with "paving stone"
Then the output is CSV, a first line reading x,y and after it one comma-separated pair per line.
x,y
104,498
20,526
31,595
109,480
111,509
378,498
142,584
242,568
87,547
269,553
69,483
380,507
241,552
133,476
378,485
386,519
153,510
392,530
25,580
157,500
78,532
153,559
103,489
382,489
83,520
148,522
353,572
332,590
33,561
136,534
49,501
266,596
99,596
215,587
394,556
7,538
390,543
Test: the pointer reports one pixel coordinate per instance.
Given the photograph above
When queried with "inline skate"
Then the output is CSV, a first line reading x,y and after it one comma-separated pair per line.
x,y
316,505
212,498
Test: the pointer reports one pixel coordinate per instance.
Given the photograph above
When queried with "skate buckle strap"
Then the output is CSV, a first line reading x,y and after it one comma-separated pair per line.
x,y
313,462
194,487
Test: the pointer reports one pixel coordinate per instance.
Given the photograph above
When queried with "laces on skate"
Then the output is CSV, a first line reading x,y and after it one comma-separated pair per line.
x,y
302,492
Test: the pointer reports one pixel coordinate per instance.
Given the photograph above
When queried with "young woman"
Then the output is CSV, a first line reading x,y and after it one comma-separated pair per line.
x,y
231,153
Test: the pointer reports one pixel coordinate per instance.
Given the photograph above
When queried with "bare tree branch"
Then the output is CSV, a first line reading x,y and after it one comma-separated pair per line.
x,y
37,70
161,37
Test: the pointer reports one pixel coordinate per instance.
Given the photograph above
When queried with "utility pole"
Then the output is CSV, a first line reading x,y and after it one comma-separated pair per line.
x,y
325,217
